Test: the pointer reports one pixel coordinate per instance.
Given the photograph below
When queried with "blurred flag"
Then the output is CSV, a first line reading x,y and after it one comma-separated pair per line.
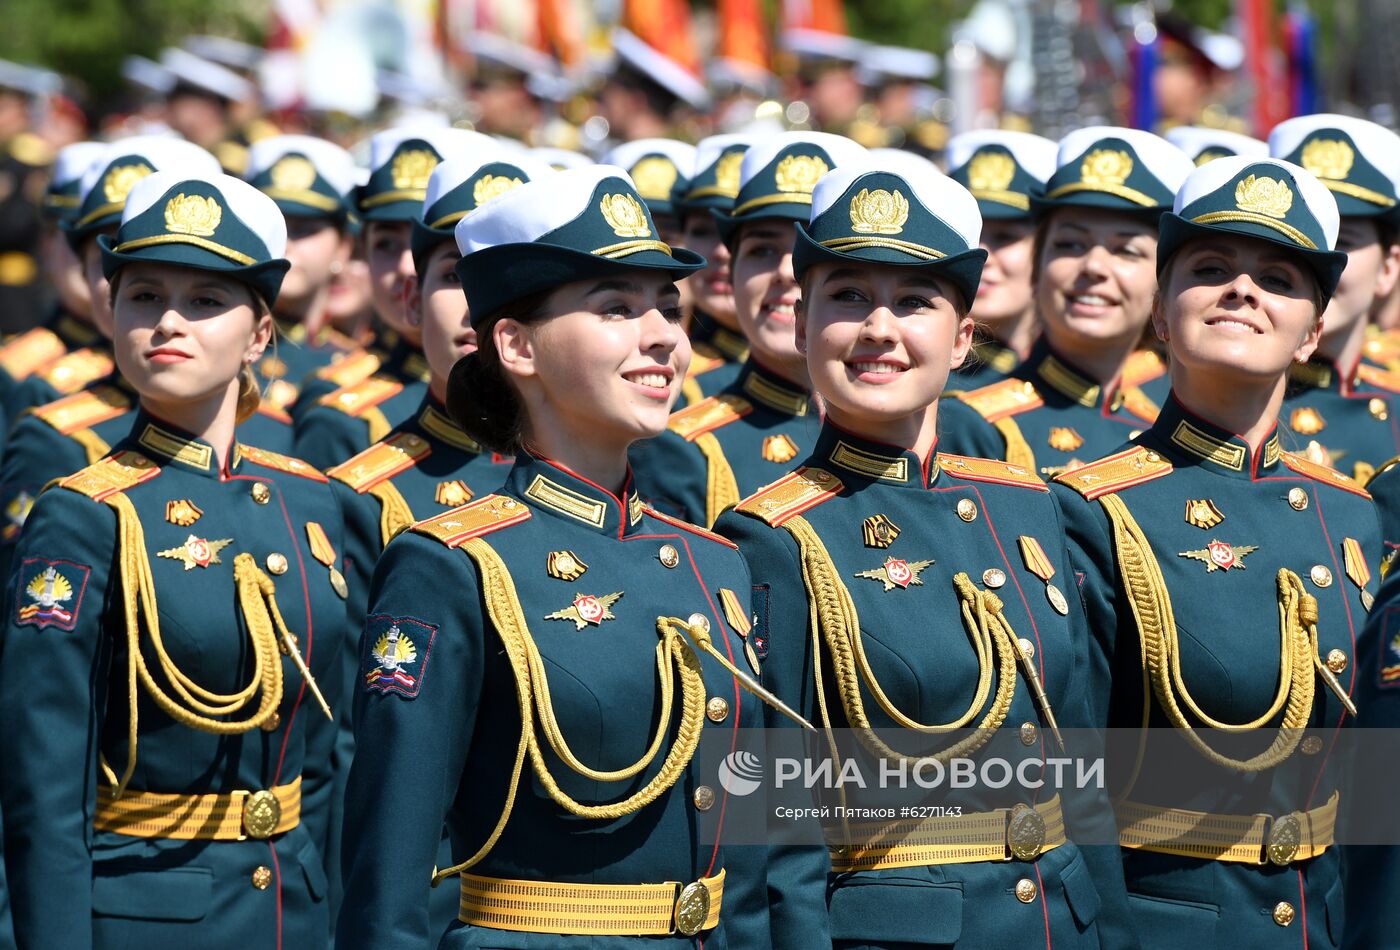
x,y
665,26
743,35
827,16
1300,32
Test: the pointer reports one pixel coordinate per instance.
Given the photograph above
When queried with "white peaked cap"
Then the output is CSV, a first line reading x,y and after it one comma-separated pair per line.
x,y
257,211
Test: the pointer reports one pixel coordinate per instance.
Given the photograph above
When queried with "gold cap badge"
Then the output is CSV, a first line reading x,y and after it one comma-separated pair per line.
x,y
293,173
799,173
412,169
493,186
879,212
990,171
120,180
1106,166
654,176
193,214
727,173
625,216
1328,158
1269,196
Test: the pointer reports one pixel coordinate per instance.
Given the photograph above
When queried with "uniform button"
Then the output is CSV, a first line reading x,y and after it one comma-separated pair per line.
x,y
1283,913
1028,733
994,577
261,493
1321,576
1026,890
704,798
1153,457
717,709
1336,661
271,723
1298,498
262,877
277,563
668,555
1134,434
1312,745
1378,409
1027,648
699,620
967,511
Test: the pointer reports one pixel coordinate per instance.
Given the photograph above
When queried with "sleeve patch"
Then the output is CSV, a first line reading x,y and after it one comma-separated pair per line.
x,y
50,593
758,637
1388,670
397,654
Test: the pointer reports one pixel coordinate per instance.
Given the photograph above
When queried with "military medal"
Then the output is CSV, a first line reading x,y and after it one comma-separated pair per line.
x,y
182,512
1306,421
897,572
1357,570
196,552
1039,564
1203,513
564,565
1064,439
1219,556
779,448
322,551
588,609
878,531
453,493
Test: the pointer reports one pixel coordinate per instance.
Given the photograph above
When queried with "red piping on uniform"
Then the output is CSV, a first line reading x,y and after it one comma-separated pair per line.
x,y
277,874
626,484
1303,907
734,730
1351,631
923,460
1044,902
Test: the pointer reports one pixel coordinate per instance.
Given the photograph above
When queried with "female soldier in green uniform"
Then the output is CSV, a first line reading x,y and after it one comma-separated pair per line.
x,y
877,532
165,739
720,449
1227,582
1078,393
549,709
1003,170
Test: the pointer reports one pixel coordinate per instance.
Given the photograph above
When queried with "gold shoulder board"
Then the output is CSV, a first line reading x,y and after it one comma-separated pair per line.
x,y
694,421
693,529
30,351
474,519
381,461
1141,405
1142,366
1389,380
283,463
85,409
355,367
70,373
1322,473
363,396
1115,472
1010,397
990,470
703,358
116,473
791,495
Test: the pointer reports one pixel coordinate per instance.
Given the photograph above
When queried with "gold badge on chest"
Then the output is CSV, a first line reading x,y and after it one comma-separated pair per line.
x,y
897,572
452,493
878,531
779,448
1203,513
182,512
196,552
564,565
588,609
1306,420
1219,556
1064,439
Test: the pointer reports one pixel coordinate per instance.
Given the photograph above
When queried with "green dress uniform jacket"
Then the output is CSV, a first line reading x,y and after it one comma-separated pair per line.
x,y
1371,868
717,356
339,424
578,579
32,351
1236,583
424,467
990,362
1346,420
218,555
908,541
64,376
1050,417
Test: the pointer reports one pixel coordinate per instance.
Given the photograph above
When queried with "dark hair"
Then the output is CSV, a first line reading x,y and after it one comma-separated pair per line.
x,y
480,397
658,99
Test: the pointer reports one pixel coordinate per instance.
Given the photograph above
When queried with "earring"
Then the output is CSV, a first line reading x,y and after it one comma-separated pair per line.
x,y
336,267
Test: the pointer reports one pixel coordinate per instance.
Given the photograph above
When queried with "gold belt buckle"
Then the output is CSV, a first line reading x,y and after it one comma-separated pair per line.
x,y
692,908
1283,838
1025,833
261,813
